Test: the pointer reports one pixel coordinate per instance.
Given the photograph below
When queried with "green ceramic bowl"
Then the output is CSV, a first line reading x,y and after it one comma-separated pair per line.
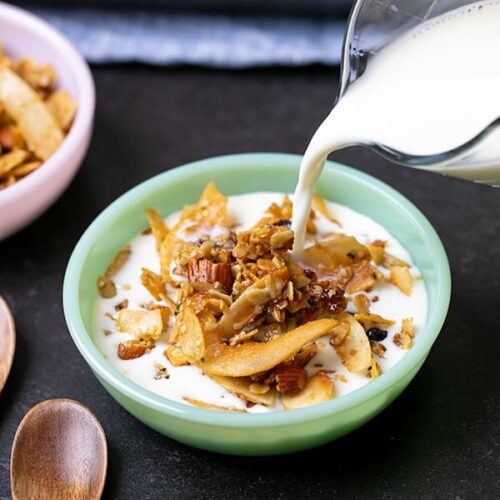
x,y
253,434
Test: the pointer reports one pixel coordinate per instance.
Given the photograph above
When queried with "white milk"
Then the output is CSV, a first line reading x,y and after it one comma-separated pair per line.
x,y
430,91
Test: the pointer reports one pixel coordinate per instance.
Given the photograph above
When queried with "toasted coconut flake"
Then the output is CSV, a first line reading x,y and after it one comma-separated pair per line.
x,y
364,277
319,388
175,355
188,335
277,214
354,350
158,227
319,204
153,283
258,388
390,261
377,251
10,161
242,387
167,252
25,169
243,336
250,303
401,277
209,406
141,324
38,76
164,310
63,108
373,319
330,254
254,357
37,125
211,208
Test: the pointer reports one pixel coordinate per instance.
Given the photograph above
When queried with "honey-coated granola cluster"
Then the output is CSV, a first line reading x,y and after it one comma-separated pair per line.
x,y
237,305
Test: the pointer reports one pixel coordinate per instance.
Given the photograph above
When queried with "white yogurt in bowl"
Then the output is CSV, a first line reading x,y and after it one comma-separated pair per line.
x,y
189,381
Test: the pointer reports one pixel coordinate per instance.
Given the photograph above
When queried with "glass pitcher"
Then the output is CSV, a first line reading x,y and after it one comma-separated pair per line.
x,y
372,25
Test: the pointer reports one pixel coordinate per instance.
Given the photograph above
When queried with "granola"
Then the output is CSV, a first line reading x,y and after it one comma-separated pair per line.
x,y
34,117
229,303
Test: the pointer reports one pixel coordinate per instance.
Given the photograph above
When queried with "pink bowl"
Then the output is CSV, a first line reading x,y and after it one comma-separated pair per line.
x,y
24,34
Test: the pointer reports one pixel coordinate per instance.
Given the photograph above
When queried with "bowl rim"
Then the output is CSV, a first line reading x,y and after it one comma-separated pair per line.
x,y
84,117
260,161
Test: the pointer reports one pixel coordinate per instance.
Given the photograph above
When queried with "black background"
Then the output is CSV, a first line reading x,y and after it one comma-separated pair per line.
x,y
440,439
287,7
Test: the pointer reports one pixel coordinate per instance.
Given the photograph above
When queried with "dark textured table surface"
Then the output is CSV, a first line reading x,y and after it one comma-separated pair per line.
x,y
440,439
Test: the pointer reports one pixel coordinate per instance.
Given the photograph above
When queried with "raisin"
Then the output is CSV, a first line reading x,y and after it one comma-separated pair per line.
x,y
376,334
283,222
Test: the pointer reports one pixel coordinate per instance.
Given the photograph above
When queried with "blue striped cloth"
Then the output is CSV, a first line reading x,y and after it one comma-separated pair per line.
x,y
208,40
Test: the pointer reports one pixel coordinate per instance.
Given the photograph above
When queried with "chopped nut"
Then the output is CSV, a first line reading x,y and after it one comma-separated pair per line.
x,y
118,262
401,277
161,372
365,277
131,350
121,305
106,287
319,388
402,340
407,327
362,303
378,349
374,370
290,378
203,272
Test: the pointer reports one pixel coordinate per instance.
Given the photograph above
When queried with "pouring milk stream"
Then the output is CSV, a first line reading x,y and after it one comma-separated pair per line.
x,y
428,92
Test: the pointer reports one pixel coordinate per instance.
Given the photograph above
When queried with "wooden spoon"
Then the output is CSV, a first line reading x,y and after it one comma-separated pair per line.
x,y
59,452
7,342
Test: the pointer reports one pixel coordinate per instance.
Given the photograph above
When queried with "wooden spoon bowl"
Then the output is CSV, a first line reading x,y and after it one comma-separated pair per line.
x,y
59,452
7,341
